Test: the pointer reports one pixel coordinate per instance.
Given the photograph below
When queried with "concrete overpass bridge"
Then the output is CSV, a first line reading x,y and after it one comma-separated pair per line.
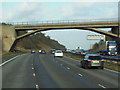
x,y
91,25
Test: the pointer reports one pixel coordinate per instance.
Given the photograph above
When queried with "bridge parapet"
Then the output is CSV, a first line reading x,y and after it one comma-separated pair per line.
x,y
109,20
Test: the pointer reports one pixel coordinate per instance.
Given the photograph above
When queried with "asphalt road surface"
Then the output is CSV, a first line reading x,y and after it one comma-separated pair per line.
x,y
45,71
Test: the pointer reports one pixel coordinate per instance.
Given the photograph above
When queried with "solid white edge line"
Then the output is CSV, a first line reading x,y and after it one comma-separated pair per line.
x,y
101,86
80,74
111,70
10,60
72,59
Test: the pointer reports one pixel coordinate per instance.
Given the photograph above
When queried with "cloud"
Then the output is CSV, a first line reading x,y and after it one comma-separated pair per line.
x,y
50,11
90,10
23,12
31,12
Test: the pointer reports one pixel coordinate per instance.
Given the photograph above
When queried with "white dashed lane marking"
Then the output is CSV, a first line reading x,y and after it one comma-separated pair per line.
x,y
101,86
32,68
68,68
80,74
34,74
37,86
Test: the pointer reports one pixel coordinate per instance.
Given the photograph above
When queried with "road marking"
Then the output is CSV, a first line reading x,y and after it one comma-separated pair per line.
x,y
34,74
9,60
73,59
32,68
61,64
37,86
111,70
80,74
68,68
32,64
101,86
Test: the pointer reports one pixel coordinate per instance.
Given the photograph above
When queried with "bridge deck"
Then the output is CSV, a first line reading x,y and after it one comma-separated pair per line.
x,y
68,25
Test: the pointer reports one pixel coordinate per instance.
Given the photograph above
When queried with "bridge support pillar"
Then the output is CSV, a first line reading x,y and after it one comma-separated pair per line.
x,y
116,30
8,37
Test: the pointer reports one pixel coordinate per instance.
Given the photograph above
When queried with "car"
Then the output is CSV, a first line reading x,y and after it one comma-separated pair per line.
x,y
52,51
39,51
32,51
43,51
92,60
103,52
58,53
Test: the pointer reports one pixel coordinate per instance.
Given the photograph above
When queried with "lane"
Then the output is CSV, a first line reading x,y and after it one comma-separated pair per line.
x,y
97,76
54,75
41,76
18,73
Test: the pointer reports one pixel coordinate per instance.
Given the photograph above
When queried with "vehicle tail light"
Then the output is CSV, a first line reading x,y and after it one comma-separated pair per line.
x,y
89,60
88,65
101,60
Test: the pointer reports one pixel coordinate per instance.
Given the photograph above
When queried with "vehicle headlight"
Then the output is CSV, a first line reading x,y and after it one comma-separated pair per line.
x,y
108,52
115,52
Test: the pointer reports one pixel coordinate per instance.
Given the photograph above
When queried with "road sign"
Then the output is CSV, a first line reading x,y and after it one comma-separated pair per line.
x,y
95,37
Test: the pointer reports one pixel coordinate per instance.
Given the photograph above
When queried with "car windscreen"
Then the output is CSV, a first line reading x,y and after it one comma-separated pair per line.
x,y
94,57
53,50
83,51
58,51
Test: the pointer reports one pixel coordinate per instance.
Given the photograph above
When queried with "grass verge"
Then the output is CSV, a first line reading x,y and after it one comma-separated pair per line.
x,y
11,54
112,66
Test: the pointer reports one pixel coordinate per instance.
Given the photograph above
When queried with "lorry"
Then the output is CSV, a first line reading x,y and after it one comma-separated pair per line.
x,y
108,48
78,51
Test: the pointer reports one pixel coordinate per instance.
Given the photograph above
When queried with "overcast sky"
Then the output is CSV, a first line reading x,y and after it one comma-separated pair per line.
x,y
42,11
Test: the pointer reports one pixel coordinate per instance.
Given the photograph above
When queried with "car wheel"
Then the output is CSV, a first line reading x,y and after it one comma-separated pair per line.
x,y
81,65
86,67
101,67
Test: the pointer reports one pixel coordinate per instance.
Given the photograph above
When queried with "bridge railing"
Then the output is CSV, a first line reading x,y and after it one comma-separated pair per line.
x,y
64,21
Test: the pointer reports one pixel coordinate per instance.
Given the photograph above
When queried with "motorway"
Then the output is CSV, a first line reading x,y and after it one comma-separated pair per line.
x,y
45,71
